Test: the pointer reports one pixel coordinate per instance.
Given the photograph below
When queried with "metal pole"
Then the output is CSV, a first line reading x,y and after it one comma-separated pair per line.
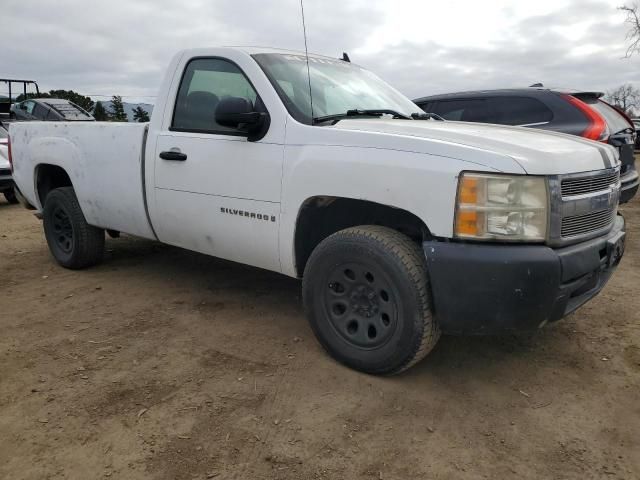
x,y
306,53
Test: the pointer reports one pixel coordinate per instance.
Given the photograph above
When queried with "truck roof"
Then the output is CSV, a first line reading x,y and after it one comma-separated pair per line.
x,y
251,50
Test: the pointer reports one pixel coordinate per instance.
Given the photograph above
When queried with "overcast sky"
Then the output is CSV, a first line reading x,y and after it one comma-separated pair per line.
x,y
421,47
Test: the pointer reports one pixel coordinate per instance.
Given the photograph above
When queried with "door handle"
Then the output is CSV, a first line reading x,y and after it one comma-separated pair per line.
x,y
173,155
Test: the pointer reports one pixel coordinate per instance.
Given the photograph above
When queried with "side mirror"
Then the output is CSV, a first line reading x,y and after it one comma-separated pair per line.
x,y
238,112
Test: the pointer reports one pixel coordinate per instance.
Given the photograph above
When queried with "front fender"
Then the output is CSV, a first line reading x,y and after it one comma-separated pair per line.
x,y
422,184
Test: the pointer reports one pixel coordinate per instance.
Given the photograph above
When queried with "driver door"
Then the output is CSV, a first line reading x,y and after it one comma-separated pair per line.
x,y
216,192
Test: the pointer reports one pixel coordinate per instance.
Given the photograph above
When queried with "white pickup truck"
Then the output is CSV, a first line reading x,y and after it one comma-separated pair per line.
x,y
401,226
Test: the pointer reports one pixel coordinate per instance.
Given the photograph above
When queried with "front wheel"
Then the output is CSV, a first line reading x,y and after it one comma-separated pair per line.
x,y
366,294
73,242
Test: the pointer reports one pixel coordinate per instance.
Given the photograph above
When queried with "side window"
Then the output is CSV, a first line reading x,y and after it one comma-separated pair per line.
x,y
40,112
465,110
28,106
52,115
519,110
287,87
205,82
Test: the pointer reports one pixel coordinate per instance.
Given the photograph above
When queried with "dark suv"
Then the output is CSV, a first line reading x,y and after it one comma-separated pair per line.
x,y
576,113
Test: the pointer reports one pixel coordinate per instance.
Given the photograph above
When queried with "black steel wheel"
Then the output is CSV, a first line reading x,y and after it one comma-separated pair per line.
x,y
72,241
361,303
366,295
62,229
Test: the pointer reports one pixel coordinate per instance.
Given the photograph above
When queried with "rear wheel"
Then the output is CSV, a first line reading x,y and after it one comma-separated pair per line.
x,y
366,295
10,196
73,242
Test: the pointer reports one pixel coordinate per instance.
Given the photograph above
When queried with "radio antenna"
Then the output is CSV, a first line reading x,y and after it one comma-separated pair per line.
x,y
306,53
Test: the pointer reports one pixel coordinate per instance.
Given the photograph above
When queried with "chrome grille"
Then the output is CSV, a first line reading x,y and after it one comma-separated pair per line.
x,y
590,222
583,205
597,183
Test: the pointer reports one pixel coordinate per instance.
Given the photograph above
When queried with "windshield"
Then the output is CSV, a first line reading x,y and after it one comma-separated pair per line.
x,y
337,87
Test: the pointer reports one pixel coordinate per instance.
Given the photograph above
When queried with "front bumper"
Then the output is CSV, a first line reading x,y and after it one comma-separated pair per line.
x,y
629,185
492,289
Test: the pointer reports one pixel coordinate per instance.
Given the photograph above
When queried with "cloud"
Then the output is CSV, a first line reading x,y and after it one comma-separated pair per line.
x,y
122,47
543,48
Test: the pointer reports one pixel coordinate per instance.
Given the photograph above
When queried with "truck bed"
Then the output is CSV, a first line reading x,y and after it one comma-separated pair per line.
x,y
104,162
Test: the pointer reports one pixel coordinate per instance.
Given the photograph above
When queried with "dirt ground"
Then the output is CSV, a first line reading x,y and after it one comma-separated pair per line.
x,y
166,364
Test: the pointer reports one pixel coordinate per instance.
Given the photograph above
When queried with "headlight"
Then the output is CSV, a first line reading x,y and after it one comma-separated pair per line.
x,y
501,207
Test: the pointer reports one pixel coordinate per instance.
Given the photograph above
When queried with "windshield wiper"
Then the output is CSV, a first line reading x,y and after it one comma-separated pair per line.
x,y
427,116
361,113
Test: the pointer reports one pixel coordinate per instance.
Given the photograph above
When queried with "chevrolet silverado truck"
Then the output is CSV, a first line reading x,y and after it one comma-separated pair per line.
x,y
400,226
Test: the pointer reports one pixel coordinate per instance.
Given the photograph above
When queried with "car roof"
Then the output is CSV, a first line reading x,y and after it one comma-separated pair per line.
x,y
45,100
63,107
50,101
527,91
54,101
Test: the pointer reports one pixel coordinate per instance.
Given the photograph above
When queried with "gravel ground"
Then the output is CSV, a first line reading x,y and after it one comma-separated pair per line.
x,y
166,364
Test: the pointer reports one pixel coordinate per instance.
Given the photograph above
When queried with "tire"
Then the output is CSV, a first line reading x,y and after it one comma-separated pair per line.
x,y
72,241
367,297
10,196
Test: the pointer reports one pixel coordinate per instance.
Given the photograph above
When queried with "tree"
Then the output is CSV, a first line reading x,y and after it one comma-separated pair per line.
x,y
100,113
80,100
625,97
29,95
117,112
140,115
633,35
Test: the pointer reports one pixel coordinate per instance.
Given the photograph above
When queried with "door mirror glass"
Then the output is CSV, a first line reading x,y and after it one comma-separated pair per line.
x,y
232,112
240,114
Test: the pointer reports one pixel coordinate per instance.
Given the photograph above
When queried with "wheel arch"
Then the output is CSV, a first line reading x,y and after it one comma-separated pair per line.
x,y
48,177
320,216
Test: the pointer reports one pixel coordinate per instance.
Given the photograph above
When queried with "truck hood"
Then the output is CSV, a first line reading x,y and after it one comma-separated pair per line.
x,y
538,152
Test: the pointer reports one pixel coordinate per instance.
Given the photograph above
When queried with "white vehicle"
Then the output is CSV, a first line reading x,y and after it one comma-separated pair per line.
x,y
400,227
